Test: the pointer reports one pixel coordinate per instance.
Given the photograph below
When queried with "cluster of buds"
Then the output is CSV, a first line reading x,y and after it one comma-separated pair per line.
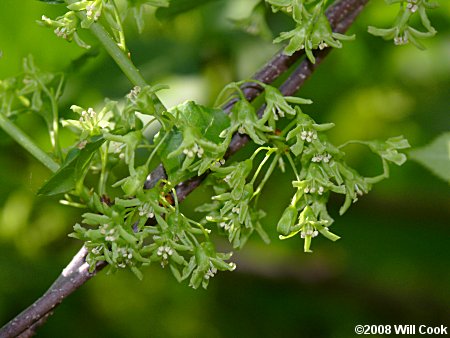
x,y
218,163
133,94
401,40
308,136
319,158
126,253
146,210
309,232
322,45
211,272
64,26
412,5
195,150
313,190
108,233
89,121
241,130
127,256
117,148
110,237
93,12
88,116
62,32
164,252
224,225
277,112
97,250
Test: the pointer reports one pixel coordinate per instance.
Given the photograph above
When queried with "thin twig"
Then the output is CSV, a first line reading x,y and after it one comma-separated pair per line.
x,y
341,15
70,279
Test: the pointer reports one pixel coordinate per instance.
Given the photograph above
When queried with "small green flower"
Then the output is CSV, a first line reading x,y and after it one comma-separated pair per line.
x,y
206,263
402,32
309,227
65,27
245,121
389,150
313,31
92,9
278,106
90,123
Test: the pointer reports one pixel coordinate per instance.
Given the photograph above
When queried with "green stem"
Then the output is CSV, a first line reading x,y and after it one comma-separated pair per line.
x,y
149,160
269,151
122,59
288,127
379,178
291,162
54,133
266,158
352,142
119,23
20,137
103,172
266,178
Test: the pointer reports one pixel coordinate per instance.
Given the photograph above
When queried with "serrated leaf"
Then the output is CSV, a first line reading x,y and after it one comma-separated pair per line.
x,y
72,170
435,156
178,7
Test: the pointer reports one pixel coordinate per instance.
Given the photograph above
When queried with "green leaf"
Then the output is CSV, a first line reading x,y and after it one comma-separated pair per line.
x,y
287,220
72,170
172,165
179,6
435,156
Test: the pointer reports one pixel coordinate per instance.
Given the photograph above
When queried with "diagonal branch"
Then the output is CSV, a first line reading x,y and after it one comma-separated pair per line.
x,y
341,15
72,277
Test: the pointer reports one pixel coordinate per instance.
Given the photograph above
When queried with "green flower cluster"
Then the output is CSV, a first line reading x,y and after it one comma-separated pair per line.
x,y
84,13
323,170
312,29
130,226
133,227
120,235
34,91
231,208
318,165
402,32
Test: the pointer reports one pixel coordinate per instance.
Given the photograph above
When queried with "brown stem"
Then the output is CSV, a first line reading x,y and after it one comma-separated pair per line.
x,y
70,279
341,15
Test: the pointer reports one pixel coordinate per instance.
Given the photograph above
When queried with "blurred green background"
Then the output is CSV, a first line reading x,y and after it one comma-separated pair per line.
x,y
391,265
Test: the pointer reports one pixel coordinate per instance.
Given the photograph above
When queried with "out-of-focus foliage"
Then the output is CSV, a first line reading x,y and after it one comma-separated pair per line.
x,y
435,156
390,266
